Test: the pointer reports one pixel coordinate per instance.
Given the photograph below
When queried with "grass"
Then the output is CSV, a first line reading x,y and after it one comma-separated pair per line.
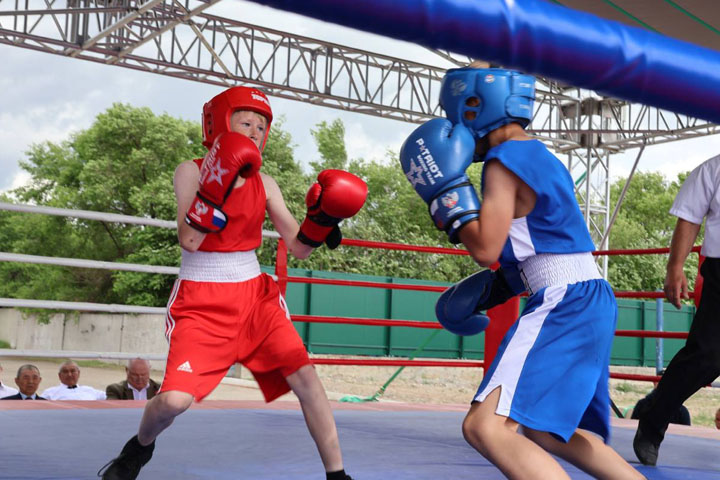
x,y
627,387
702,405
81,363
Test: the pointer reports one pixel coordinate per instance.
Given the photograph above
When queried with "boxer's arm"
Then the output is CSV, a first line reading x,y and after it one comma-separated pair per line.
x,y
485,239
281,218
185,182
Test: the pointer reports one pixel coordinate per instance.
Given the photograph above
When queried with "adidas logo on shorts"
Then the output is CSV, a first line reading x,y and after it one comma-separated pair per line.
x,y
185,367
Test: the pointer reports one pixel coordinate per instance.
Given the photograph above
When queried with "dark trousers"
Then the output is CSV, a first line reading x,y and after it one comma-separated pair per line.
x,y
696,365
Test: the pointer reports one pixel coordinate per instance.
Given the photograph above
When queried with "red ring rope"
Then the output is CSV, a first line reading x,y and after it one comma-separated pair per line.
x,y
381,322
401,246
387,362
354,283
435,325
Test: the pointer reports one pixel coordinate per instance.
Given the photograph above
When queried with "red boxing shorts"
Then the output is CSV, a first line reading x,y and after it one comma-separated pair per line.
x,y
212,325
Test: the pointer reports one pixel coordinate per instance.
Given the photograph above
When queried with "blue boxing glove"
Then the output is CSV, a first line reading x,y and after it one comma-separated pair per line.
x,y
434,158
458,308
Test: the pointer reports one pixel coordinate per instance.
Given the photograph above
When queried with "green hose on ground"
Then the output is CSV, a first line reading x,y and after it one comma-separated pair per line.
x,y
381,390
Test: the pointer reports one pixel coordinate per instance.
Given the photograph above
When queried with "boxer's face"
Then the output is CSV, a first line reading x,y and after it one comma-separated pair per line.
x,y
251,124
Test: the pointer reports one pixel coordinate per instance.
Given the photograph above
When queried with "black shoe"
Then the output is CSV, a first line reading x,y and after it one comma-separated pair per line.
x,y
128,464
338,475
645,449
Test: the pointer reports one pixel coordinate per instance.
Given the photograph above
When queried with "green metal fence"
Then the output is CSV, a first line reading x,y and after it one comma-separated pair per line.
x,y
367,302
641,315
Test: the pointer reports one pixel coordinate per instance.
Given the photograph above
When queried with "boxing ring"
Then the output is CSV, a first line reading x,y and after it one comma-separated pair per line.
x,y
244,439
251,439
237,440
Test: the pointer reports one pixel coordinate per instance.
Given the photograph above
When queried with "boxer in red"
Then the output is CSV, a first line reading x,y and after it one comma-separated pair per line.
x,y
222,309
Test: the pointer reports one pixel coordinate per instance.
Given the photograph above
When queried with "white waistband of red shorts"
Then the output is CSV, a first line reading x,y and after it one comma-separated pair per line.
x,y
219,266
549,269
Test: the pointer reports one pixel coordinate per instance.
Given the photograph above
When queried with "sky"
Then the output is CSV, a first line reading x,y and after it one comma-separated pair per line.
x,y
45,97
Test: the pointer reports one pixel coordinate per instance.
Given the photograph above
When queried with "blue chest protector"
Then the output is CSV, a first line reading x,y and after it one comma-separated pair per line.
x,y
556,224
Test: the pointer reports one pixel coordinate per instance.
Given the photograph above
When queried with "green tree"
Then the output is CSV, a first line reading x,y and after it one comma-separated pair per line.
x,y
393,213
644,222
122,164
279,162
330,141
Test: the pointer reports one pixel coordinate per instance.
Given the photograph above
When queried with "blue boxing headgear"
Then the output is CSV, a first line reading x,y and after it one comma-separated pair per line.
x,y
484,99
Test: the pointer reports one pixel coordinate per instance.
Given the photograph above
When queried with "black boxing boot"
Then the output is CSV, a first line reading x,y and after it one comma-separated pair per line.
x,y
338,475
128,464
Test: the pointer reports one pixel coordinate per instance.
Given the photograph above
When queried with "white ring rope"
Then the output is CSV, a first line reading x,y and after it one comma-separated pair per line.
x,y
6,352
88,215
99,216
80,306
81,263
84,263
102,216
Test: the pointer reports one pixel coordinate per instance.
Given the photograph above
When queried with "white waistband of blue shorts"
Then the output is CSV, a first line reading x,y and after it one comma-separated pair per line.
x,y
549,269
219,266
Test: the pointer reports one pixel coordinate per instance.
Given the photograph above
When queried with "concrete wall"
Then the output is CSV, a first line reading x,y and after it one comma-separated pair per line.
x,y
92,332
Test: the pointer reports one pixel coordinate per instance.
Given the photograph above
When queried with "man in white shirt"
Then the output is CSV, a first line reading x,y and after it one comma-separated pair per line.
x,y
697,364
137,386
69,374
6,391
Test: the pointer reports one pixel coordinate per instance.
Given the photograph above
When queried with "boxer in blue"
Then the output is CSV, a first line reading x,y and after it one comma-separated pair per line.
x,y
547,389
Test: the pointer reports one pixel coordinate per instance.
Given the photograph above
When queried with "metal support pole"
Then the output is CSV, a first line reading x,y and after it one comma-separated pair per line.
x,y
659,323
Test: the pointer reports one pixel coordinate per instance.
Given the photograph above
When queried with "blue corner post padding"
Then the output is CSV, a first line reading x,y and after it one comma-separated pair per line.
x,y
541,38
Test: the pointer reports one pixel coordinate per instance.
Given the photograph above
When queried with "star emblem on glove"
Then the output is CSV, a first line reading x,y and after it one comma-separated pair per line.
x,y
414,175
216,173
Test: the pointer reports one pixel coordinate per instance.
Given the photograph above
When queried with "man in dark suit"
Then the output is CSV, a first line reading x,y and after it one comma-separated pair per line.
x,y
28,380
137,386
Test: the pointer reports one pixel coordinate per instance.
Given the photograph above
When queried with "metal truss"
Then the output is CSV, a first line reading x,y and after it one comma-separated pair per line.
x,y
182,39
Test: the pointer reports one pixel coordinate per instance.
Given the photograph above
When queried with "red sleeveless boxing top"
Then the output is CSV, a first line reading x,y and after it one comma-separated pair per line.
x,y
245,210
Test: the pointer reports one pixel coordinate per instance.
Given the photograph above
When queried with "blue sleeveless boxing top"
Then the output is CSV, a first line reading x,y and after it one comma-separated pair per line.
x,y
556,224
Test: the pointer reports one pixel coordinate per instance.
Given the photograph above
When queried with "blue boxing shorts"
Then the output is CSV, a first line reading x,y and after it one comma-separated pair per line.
x,y
553,364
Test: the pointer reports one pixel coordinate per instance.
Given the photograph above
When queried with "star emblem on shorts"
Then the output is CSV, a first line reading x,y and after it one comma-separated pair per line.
x,y
414,175
216,173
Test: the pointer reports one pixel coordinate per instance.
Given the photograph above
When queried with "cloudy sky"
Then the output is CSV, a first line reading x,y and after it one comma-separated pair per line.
x,y
46,97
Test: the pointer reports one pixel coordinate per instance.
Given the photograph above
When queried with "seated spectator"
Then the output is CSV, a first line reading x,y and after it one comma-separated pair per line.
x,y
681,416
137,386
69,389
6,391
28,380
717,419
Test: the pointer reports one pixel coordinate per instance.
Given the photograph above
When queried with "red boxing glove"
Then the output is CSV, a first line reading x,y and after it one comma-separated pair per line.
x,y
337,195
231,155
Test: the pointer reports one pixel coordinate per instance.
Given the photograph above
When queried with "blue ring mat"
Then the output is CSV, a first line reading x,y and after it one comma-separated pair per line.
x,y
270,443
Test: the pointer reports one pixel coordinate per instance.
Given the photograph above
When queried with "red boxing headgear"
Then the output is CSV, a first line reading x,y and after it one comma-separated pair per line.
x,y
217,112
